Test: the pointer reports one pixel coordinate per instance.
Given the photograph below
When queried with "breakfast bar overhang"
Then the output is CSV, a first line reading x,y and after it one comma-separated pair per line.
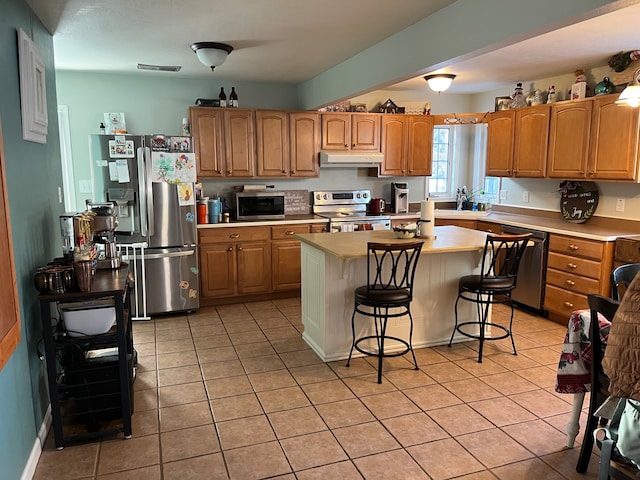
x,y
333,265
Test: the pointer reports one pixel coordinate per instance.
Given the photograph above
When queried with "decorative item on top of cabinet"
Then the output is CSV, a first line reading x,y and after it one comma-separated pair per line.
x,y
575,268
351,131
407,144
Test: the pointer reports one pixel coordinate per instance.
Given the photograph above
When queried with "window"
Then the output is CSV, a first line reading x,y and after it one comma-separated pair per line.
x,y
440,182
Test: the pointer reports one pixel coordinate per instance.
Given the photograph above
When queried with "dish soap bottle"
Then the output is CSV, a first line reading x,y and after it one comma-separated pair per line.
x,y
222,97
233,98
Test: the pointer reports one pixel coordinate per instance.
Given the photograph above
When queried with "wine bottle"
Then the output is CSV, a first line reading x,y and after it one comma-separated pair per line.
x,y
222,97
233,98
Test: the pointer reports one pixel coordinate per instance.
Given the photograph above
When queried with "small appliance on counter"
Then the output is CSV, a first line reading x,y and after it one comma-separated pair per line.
x,y
105,223
400,197
376,206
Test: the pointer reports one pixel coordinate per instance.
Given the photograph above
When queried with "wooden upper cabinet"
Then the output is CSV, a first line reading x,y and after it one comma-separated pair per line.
x,y
304,144
393,143
569,134
500,136
531,141
239,142
336,131
272,143
614,140
207,131
517,142
351,131
365,132
419,145
407,143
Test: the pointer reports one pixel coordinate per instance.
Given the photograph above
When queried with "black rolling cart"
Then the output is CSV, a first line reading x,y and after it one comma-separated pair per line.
x,y
90,376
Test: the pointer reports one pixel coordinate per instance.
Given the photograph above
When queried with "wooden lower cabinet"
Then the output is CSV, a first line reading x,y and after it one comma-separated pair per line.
x,y
440,222
576,267
251,263
489,227
285,254
234,261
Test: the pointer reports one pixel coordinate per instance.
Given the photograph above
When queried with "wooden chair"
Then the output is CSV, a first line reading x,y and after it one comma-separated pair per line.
x,y
621,277
606,307
390,271
498,278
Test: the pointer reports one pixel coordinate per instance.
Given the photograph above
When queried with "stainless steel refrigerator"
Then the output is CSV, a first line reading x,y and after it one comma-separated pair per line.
x,y
150,179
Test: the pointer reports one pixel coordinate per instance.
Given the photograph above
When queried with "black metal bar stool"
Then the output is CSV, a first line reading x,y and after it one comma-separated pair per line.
x,y
497,279
390,271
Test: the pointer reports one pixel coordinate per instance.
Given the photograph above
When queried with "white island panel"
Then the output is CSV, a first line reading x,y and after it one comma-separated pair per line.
x,y
333,265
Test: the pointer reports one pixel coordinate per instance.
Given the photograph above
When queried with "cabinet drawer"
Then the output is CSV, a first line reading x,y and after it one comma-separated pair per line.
x,y
577,266
572,283
319,227
286,232
456,223
563,302
576,246
233,234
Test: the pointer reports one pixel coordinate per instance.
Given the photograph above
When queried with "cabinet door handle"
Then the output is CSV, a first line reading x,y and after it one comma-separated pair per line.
x,y
230,249
571,283
293,172
239,249
353,146
234,235
571,265
568,304
284,171
573,247
289,232
229,172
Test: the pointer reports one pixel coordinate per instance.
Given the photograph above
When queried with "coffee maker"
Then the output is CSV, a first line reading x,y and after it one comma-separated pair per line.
x,y
105,223
400,197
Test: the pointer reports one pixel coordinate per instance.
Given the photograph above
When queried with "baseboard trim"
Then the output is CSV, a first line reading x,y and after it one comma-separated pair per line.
x,y
30,468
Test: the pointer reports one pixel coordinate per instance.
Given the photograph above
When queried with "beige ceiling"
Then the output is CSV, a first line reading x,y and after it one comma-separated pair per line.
x,y
294,40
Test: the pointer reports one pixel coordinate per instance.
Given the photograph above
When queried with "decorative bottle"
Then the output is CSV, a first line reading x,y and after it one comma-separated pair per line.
x,y
233,98
222,97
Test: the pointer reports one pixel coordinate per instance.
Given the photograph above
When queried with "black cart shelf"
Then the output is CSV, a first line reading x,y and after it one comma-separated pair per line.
x,y
90,377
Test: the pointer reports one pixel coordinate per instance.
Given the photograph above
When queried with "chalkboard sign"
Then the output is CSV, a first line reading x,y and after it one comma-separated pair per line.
x,y
578,201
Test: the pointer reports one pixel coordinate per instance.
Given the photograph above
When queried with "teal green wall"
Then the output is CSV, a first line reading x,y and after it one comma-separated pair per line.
x,y
33,176
464,28
152,103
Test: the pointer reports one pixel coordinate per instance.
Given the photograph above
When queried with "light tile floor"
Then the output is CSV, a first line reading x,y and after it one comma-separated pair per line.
x,y
233,392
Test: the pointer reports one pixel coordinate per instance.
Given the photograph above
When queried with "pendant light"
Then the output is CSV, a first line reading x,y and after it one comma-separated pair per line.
x,y
631,94
439,82
211,54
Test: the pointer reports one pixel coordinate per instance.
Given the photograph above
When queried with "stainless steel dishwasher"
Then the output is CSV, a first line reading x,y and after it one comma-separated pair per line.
x,y
533,269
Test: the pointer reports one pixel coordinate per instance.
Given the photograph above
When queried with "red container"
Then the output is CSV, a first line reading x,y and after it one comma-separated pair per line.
x,y
202,213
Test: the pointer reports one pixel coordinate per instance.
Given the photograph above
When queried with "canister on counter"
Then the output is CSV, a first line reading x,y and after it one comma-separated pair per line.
x,y
202,212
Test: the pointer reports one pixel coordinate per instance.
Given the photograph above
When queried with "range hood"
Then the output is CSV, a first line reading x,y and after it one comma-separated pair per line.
x,y
350,159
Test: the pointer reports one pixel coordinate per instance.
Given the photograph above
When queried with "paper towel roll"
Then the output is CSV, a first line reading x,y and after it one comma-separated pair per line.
x,y
427,218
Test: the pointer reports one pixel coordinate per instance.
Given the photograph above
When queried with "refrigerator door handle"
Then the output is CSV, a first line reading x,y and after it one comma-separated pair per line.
x,y
142,174
157,256
149,190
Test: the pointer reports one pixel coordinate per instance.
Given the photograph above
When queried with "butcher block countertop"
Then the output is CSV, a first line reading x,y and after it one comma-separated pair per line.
x,y
354,244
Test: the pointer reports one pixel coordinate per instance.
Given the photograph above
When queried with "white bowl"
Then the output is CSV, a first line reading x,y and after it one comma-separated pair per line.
x,y
81,321
402,233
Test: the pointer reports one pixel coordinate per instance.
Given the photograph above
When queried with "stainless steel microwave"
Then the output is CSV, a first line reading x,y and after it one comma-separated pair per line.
x,y
259,205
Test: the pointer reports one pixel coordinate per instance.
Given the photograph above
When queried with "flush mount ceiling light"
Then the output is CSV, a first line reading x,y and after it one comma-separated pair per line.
x,y
211,54
631,94
439,82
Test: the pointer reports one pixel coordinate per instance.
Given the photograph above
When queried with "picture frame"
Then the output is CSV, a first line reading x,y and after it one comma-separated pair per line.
x,y
33,91
502,103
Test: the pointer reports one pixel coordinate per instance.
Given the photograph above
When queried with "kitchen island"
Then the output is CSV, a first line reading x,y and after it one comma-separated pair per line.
x,y
333,265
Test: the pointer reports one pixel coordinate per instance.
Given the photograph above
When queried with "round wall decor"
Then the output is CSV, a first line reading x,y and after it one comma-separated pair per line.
x,y
578,200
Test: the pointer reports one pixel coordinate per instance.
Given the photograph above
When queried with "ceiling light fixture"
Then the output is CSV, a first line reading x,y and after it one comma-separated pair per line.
x,y
159,68
211,54
631,94
439,82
